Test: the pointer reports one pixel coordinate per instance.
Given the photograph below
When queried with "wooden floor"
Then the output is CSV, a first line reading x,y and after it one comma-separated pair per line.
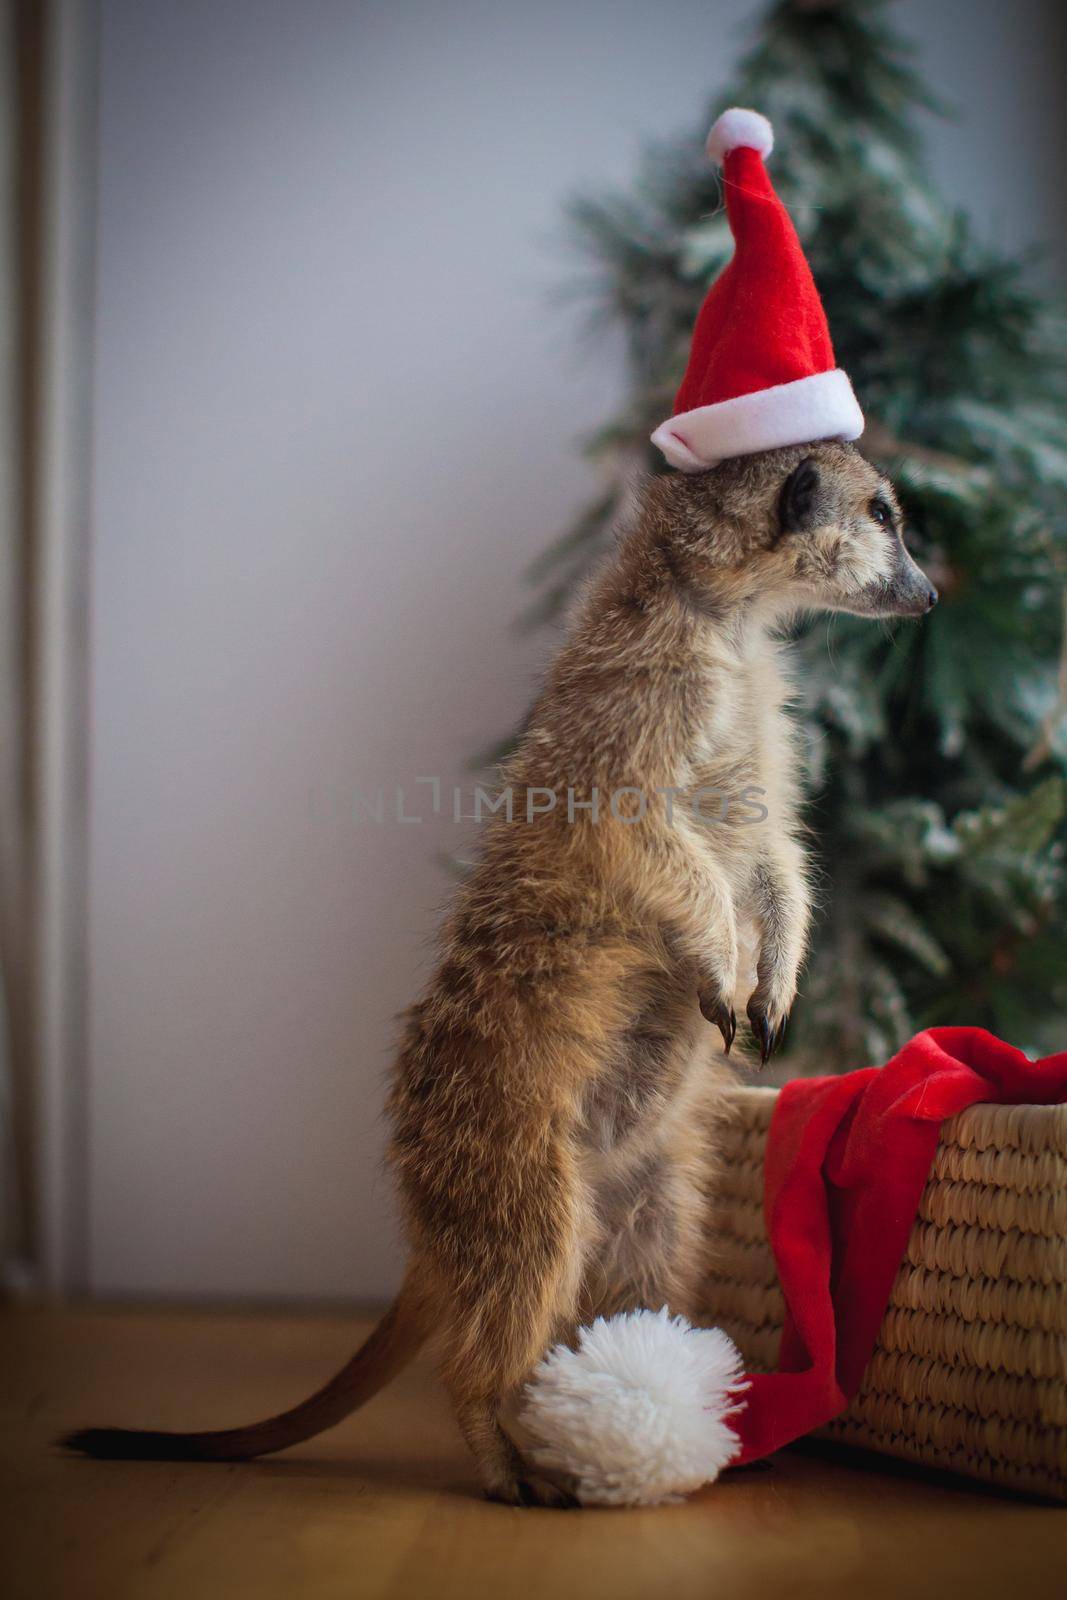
x,y
386,1505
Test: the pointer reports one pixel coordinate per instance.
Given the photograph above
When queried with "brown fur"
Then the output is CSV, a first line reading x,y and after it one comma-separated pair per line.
x,y
553,1082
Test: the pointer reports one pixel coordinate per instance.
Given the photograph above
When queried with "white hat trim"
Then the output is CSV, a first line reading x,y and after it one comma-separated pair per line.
x,y
821,406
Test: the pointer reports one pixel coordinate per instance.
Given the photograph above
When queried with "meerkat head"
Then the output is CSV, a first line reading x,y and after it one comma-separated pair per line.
x,y
840,539
814,527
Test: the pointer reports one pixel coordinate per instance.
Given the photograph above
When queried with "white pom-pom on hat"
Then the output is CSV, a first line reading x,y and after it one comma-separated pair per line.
x,y
739,128
639,1413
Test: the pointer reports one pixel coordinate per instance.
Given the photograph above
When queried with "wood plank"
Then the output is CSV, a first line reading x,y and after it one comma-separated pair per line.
x,y
386,1506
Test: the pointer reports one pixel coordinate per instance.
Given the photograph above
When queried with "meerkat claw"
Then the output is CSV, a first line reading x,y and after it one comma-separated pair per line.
x,y
722,1015
767,1037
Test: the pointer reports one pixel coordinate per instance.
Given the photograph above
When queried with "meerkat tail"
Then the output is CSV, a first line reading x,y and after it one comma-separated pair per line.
x,y
385,1353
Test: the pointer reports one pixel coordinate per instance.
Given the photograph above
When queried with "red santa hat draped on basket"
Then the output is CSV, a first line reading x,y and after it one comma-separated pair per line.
x,y
761,371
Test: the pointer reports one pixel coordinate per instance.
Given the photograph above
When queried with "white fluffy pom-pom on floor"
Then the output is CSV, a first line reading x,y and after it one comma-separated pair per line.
x,y
639,1414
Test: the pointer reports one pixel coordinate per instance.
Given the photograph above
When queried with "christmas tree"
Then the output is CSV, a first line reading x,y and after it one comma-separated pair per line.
x,y
936,754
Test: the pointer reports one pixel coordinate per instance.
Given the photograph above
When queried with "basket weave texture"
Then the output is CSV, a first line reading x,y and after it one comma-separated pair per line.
x,y
970,1370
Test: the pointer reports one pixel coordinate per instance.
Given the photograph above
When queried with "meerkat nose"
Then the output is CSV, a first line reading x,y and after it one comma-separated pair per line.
x,y
931,598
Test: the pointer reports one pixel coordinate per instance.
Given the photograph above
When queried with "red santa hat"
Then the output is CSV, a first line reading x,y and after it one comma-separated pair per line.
x,y
761,370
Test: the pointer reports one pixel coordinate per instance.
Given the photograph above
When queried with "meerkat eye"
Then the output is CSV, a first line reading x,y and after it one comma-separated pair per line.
x,y
881,511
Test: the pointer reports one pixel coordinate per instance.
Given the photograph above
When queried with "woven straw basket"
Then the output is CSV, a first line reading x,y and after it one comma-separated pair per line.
x,y
970,1370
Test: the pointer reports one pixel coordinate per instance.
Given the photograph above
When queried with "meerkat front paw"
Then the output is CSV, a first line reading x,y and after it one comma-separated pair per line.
x,y
715,1009
768,1026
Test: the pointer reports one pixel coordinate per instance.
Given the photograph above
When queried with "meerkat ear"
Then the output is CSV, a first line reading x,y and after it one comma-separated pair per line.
x,y
797,501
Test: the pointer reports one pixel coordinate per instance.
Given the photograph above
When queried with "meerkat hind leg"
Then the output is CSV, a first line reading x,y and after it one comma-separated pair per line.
x,y
652,1161
493,1346
650,1257
505,1474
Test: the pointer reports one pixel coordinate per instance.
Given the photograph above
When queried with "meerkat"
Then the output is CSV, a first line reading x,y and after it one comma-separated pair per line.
x,y
554,1082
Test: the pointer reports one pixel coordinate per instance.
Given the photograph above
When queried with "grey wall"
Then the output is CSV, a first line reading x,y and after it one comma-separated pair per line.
x,y
334,418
